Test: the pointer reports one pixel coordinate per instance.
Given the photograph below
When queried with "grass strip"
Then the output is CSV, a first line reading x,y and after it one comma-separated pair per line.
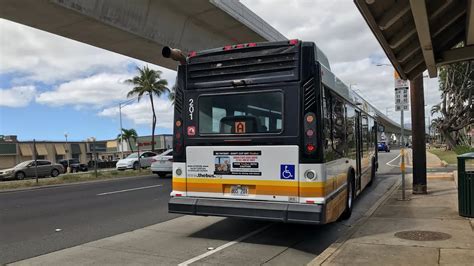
x,y
71,178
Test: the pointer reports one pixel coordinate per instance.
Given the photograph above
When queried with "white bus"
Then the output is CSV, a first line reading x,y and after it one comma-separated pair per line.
x,y
266,131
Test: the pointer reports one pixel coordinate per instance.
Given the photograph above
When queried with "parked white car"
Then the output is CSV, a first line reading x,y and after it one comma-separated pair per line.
x,y
163,163
131,162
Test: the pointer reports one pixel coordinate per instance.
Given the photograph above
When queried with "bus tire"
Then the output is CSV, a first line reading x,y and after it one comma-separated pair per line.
x,y
350,197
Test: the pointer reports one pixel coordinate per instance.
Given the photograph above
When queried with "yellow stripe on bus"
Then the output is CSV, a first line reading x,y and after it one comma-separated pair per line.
x,y
260,187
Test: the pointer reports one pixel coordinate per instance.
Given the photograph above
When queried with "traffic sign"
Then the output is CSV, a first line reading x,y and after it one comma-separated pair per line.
x,y
401,99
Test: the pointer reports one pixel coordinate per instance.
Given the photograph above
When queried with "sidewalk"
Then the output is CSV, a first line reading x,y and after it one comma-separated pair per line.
x,y
380,239
432,161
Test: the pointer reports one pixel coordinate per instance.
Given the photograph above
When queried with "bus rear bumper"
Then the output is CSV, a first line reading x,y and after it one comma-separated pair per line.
x,y
270,211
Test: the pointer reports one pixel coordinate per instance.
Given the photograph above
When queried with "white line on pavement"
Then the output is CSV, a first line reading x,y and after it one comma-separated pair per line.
x,y
224,246
126,190
389,163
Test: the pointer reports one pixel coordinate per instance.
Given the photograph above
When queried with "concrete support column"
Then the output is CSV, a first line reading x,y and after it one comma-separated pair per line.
x,y
418,135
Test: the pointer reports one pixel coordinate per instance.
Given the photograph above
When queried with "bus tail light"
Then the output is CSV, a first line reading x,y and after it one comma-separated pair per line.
x,y
310,133
178,132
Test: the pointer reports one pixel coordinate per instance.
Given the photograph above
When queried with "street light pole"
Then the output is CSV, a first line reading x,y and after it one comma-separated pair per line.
x,y
121,131
123,104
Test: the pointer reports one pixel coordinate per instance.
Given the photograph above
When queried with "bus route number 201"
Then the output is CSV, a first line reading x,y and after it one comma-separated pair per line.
x,y
191,109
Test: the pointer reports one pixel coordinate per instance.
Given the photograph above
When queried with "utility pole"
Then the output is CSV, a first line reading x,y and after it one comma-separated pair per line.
x,y
67,156
121,131
95,157
36,160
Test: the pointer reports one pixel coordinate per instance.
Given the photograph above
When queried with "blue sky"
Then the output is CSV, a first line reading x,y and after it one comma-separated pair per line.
x,y
50,85
47,91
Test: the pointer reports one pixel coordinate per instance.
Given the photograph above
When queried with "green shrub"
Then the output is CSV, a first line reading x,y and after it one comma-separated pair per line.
x,y
463,149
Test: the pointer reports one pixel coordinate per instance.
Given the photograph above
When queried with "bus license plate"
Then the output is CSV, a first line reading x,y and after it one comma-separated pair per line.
x,y
239,190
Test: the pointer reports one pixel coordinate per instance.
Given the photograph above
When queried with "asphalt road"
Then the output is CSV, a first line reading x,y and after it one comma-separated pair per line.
x,y
29,218
87,212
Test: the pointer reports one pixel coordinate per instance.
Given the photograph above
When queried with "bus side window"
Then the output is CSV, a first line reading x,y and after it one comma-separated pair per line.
x,y
327,142
334,127
350,132
365,135
338,127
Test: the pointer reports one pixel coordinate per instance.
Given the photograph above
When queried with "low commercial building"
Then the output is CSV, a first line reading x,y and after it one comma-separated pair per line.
x,y
13,151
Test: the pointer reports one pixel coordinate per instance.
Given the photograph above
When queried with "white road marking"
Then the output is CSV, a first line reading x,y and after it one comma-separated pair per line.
x,y
224,246
398,156
389,163
126,190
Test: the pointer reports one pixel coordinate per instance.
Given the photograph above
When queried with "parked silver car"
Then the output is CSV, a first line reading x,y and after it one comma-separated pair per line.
x,y
27,169
163,163
132,162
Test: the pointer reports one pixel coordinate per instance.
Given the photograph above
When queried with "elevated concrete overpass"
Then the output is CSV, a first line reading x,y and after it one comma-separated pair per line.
x,y
141,28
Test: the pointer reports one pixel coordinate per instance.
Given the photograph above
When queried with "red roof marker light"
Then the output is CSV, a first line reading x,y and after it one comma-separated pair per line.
x,y
293,42
227,47
252,44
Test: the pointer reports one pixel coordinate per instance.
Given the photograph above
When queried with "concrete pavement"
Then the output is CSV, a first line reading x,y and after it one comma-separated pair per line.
x,y
376,240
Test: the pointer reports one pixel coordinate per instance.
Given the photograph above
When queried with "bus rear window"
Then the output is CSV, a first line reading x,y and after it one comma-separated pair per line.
x,y
244,113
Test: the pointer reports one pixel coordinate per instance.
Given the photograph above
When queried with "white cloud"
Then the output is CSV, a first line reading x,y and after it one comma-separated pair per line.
x,y
45,57
140,112
17,96
94,91
337,27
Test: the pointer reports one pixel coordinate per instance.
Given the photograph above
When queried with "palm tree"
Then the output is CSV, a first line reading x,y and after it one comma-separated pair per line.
x,y
128,134
172,94
148,82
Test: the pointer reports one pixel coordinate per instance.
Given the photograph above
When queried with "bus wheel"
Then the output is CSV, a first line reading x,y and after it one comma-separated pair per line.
x,y
350,198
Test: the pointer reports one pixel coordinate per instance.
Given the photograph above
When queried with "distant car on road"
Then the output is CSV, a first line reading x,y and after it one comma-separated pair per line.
x,y
27,169
163,163
75,165
131,162
383,146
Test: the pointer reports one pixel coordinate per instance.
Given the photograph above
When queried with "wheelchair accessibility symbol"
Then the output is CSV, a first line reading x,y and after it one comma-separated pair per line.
x,y
287,171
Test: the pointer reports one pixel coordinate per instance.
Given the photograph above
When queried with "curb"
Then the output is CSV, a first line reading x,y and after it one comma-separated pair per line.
x,y
441,176
335,247
71,184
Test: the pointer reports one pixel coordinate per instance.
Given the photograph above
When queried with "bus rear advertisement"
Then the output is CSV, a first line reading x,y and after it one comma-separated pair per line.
x,y
266,131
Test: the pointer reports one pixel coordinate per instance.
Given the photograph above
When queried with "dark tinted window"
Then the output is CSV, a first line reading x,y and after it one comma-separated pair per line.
x,y
365,134
334,127
44,163
350,132
247,113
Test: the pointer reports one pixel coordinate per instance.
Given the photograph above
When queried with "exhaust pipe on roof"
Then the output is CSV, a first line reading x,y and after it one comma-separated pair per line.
x,y
174,54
